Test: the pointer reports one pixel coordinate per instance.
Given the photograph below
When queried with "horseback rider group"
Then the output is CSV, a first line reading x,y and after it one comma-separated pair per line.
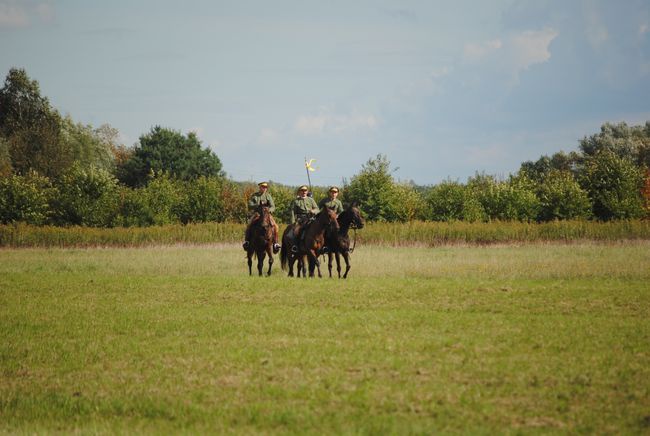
x,y
303,209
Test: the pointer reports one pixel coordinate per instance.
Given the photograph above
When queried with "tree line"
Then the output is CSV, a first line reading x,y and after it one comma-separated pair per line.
x,y
55,171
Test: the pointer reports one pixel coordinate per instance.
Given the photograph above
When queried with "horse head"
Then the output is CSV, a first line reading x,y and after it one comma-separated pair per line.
x,y
357,220
265,215
327,218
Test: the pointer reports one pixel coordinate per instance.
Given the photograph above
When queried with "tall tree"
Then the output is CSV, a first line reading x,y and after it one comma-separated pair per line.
x,y
166,150
31,127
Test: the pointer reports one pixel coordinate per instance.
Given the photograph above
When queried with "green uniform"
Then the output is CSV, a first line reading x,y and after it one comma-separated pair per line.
x,y
301,207
334,204
258,198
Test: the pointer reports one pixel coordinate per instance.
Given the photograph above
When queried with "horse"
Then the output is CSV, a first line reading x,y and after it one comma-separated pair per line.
x,y
338,241
310,246
261,243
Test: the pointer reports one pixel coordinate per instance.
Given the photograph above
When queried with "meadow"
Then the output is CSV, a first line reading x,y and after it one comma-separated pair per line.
x,y
510,338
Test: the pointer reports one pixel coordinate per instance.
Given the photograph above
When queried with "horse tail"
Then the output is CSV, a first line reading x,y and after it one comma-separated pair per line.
x,y
284,255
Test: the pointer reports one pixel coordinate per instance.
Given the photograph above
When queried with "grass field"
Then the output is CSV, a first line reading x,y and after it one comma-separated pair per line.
x,y
503,338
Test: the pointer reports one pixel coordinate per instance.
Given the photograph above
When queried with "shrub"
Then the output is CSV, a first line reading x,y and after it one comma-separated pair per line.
x,y
201,201
88,197
614,185
561,197
25,199
514,199
452,201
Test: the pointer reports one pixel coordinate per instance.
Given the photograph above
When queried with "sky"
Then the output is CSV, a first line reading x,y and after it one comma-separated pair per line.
x,y
444,89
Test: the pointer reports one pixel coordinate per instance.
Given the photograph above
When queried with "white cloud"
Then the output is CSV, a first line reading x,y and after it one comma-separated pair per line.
x,y
13,15
476,51
514,53
643,29
17,14
531,47
268,136
332,123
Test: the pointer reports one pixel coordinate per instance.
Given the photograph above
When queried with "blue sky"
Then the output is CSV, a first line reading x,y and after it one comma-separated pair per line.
x,y
443,88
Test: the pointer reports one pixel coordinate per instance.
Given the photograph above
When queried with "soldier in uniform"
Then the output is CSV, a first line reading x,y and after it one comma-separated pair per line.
x,y
331,202
303,206
264,198
303,209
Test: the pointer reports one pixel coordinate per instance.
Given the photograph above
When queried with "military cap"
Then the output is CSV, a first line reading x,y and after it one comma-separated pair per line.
x,y
263,184
303,188
334,189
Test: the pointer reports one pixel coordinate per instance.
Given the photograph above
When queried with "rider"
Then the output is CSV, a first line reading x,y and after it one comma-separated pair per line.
x,y
264,198
331,202
302,208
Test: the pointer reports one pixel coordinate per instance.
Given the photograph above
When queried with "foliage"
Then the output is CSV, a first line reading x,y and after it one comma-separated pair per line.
x,y
5,158
201,201
90,147
406,204
452,201
166,150
627,142
31,127
88,197
25,199
614,185
380,197
513,199
561,197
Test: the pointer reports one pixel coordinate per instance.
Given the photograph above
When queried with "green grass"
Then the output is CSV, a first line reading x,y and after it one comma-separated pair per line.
x,y
530,338
397,234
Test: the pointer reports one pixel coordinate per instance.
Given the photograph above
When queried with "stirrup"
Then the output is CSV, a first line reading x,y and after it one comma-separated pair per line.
x,y
325,249
276,248
245,245
294,249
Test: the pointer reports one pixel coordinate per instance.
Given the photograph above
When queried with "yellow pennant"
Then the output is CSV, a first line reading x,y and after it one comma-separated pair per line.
x,y
308,165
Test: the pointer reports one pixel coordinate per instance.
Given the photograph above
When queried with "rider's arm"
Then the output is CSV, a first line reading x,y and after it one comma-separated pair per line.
x,y
314,206
252,202
293,214
271,204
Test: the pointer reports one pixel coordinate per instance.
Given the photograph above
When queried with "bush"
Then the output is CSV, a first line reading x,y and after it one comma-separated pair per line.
x,y
201,201
25,199
514,199
614,185
452,201
561,197
88,197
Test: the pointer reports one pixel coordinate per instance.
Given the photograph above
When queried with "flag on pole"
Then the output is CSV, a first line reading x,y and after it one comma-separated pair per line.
x,y
309,166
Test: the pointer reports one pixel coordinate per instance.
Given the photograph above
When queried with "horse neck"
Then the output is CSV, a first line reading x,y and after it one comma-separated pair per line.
x,y
345,220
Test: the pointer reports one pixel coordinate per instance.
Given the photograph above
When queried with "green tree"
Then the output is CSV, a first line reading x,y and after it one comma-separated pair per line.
x,y
202,201
373,188
88,197
31,128
167,150
25,199
90,146
5,158
561,197
513,199
614,185
628,142
451,201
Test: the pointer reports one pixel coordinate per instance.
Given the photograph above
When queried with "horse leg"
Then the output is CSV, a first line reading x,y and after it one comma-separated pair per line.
x,y
250,262
260,262
338,263
346,257
329,263
269,251
313,257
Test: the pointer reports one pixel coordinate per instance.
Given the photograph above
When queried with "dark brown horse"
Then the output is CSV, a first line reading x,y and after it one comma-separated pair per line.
x,y
261,243
310,245
338,240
